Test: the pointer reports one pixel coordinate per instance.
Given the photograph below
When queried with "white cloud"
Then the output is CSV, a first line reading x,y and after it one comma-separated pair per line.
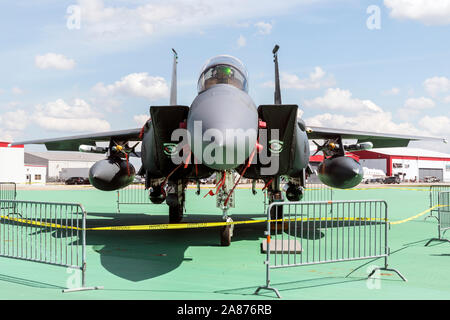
x,y
429,12
16,90
366,116
141,119
414,106
264,28
341,100
380,122
438,126
54,61
419,103
138,85
316,80
160,18
437,85
447,99
241,41
14,120
12,124
391,92
60,109
76,117
72,125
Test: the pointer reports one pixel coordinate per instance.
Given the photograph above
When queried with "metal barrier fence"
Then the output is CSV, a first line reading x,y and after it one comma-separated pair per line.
x,y
434,198
311,233
45,232
133,194
318,192
8,191
443,216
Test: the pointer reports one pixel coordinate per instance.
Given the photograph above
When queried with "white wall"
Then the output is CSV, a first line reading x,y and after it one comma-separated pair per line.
x,y
11,165
408,167
35,172
379,164
411,167
54,167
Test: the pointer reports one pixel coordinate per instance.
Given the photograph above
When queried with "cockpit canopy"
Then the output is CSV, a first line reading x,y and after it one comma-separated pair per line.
x,y
223,69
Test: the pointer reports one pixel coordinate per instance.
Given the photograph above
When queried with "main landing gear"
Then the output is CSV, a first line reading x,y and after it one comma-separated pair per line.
x,y
175,199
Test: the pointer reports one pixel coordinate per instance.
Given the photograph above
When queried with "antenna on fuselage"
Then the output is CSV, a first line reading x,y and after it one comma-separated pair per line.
x,y
277,97
173,86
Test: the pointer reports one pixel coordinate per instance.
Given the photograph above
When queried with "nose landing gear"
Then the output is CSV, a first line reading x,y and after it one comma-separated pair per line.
x,y
224,201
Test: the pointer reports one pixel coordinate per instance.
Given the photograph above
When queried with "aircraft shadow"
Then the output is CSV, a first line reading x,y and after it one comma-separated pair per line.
x,y
141,255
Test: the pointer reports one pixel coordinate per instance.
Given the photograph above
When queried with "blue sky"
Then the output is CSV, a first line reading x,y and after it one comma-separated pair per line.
x,y
105,74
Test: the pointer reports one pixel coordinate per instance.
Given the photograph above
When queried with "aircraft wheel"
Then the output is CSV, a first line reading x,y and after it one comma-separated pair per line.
x,y
176,213
225,236
276,212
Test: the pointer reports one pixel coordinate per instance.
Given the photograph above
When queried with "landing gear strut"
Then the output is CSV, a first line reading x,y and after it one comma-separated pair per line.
x,y
175,200
275,195
225,203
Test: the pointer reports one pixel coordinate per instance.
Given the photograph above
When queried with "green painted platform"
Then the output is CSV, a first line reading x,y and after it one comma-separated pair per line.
x,y
190,264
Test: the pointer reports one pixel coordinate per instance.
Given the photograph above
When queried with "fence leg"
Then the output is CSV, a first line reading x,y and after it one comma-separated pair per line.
x,y
267,262
436,239
386,268
268,288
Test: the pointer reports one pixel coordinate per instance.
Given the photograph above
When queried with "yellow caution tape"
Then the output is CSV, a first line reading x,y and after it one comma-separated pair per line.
x,y
204,224
383,188
38,223
178,225
416,216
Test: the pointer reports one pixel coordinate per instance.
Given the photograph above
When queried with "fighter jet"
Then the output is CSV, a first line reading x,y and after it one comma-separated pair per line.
x,y
224,133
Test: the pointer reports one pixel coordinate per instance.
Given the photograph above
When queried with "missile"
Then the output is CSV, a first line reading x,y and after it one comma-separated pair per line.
x,y
359,146
92,149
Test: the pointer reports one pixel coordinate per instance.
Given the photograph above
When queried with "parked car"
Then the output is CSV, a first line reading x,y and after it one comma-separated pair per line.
x,y
431,179
391,180
77,180
374,180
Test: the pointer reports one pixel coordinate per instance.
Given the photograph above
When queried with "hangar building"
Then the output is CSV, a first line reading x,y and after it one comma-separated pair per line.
x,y
56,161
410,164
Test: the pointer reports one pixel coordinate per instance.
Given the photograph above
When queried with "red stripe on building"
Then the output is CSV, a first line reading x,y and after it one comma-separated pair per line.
x,y
5,145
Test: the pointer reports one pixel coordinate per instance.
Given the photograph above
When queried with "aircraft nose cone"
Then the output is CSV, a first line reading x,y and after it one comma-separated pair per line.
x,y
222,123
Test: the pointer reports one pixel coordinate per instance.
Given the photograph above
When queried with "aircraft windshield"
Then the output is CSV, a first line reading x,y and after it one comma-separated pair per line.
x,y
223,69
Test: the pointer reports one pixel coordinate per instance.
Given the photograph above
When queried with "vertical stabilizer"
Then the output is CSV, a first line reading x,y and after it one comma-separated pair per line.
x,y
173,86
277,97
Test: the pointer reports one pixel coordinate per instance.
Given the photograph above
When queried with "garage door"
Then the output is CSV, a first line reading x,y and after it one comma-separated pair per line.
x,y
438,173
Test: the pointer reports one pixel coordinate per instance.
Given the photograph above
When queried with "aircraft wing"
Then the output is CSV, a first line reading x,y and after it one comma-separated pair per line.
x,y
72,143
379,140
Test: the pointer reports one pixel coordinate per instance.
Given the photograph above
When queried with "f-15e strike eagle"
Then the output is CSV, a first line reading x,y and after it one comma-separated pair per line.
x,y
224,132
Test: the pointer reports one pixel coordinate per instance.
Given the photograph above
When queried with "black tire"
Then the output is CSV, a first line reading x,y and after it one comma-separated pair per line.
x,y
225,236
276,212
176,213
